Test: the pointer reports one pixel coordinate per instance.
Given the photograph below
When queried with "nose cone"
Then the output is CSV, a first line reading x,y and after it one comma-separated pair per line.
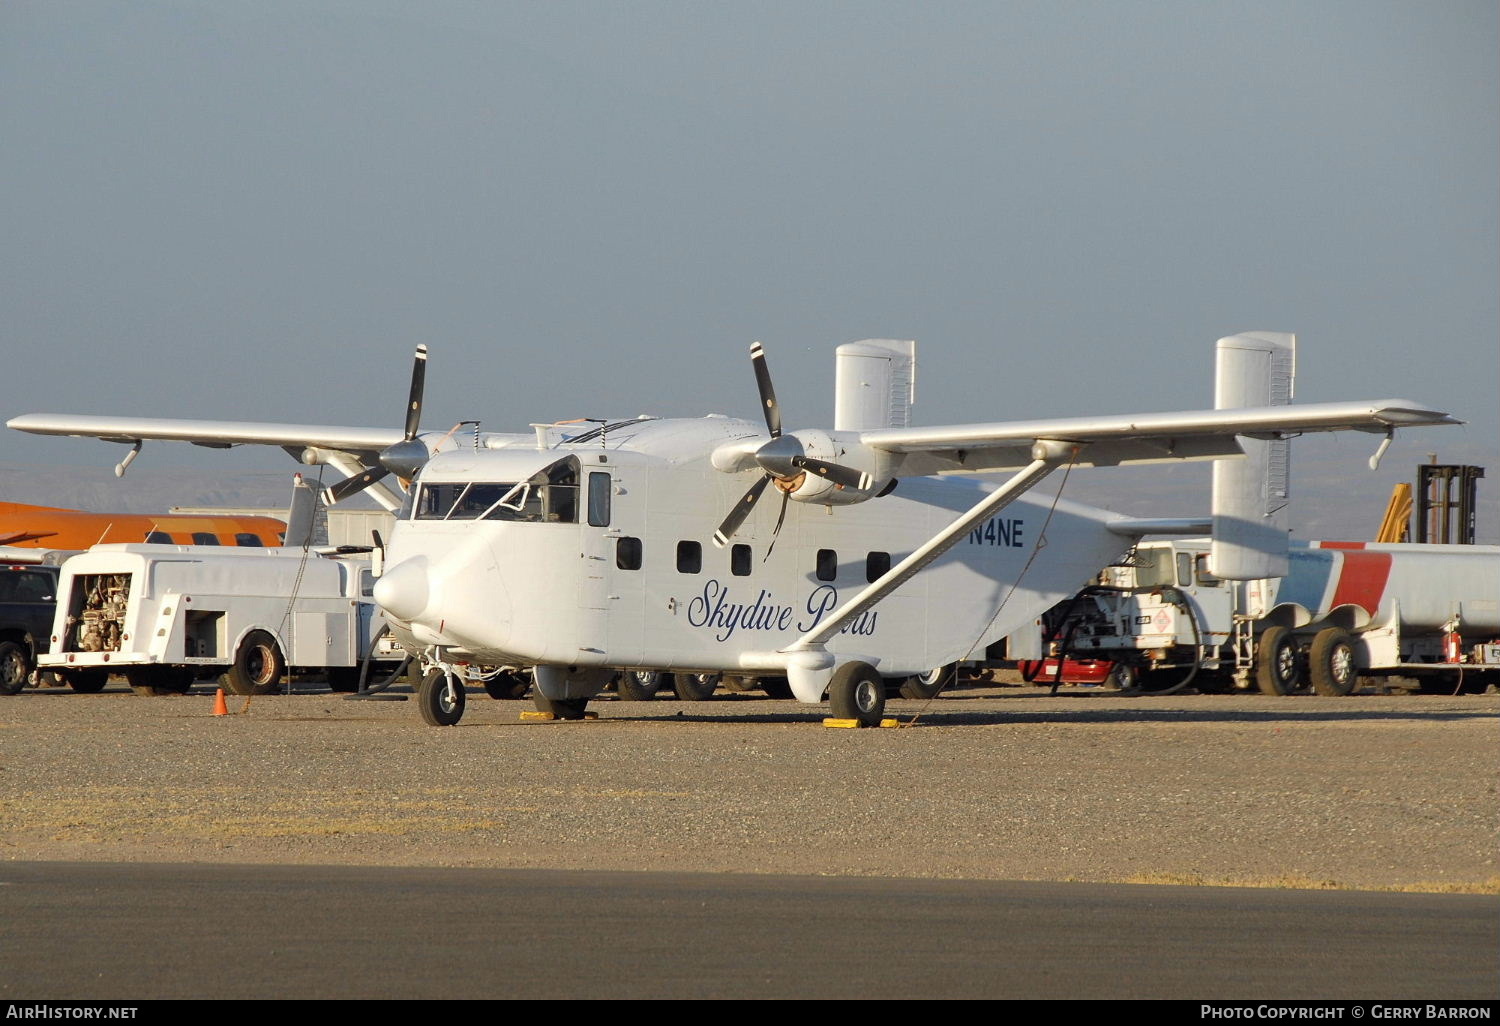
x,y
404,590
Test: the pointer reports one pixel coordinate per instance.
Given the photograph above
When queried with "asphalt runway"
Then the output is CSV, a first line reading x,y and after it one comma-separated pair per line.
x,y
141,931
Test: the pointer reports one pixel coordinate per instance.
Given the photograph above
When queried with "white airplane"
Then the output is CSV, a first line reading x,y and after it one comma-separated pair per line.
x,y
580,550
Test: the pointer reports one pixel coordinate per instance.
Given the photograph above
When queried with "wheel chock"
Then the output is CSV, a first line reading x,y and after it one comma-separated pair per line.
x,y
855,724
537,715
221,708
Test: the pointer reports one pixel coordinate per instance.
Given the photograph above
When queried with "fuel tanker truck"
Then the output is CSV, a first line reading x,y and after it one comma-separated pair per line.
x,y
1410,615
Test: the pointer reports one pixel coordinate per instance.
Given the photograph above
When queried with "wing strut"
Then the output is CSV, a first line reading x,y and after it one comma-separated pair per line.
x,y
1047,456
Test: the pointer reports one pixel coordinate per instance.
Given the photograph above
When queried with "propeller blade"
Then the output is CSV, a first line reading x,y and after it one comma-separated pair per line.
x,y
768,405
846,476
741,510
352,486
776,531
414,403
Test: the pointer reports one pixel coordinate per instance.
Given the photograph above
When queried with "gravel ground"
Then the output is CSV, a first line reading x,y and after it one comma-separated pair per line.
x,y
992,783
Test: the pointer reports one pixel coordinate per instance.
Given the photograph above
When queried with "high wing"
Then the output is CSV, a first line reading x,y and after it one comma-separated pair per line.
x,y
362,455
215,434
1135,438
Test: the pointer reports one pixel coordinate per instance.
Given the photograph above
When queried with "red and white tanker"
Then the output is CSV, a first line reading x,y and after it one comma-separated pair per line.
x,y
1430,613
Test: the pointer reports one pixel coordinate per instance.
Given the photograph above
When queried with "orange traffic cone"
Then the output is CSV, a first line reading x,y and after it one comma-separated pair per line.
x,y
220,708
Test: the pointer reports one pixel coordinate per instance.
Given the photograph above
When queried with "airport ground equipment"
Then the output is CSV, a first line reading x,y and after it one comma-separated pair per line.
x,y
166,615
28,598
1427,614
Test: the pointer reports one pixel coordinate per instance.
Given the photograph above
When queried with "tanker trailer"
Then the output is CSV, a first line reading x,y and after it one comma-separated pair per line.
x,y
1429,613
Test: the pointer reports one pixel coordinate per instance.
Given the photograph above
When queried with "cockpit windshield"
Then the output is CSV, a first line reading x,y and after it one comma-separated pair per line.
x,y
548,497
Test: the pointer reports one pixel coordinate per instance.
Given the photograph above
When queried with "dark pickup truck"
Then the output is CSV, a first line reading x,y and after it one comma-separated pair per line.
x,y
28,598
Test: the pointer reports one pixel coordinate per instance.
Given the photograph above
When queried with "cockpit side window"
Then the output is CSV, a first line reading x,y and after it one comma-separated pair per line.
x,y
599,484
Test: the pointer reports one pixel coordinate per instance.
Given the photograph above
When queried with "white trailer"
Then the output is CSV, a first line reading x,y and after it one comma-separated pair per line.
x,y
166,615
1426,613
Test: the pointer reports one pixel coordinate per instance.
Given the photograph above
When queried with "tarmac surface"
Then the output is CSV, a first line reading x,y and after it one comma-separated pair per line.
x,y
990,783
122,932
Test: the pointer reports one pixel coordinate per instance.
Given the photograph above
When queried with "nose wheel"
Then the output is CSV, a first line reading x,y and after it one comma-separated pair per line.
x,y
440,697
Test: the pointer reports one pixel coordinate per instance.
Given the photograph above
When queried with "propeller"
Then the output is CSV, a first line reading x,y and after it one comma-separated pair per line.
x,y
404,458
783,459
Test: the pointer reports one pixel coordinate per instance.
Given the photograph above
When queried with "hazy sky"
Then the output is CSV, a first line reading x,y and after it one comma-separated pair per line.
x,y
255,210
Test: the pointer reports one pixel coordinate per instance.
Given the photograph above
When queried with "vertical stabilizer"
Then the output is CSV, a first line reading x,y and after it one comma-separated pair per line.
x,y
877,383
1250,495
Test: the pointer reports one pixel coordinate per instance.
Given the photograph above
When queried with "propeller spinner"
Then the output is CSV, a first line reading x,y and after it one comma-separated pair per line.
x,y
783,459
405,457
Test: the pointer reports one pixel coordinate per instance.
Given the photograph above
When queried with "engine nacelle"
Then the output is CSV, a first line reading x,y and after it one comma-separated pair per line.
x,y
844,449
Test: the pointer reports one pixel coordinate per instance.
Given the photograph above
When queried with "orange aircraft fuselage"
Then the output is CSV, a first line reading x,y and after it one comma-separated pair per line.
x,y
48,527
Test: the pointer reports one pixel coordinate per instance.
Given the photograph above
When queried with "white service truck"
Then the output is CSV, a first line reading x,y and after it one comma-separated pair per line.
x,y
1426,615
166,615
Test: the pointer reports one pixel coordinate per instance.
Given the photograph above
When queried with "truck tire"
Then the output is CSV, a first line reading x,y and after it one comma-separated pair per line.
x,y
639,685
1276,661
258,666
1330,662
15,667
1125,678
776,687
927,685
86,682
695,687
160,680
344,680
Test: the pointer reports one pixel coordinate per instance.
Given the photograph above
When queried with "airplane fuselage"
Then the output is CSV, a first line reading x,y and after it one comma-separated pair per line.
x,y
599,554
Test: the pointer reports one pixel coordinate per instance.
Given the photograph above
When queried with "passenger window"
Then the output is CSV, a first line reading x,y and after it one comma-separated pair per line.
x,y
828,564
599,484
739,560
248,540
628,553
204,538
689,557
159,538
877,565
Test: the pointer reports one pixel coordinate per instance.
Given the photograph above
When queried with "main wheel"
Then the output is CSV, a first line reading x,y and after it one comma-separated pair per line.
x,y
857,692
86,682
15,667
439,707
1276,661
258,666
639,685
1330,662
562,708
929,684
695,687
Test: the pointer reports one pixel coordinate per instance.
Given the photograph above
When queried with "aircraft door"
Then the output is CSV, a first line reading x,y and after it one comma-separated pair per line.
x,y
594,572
612,575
